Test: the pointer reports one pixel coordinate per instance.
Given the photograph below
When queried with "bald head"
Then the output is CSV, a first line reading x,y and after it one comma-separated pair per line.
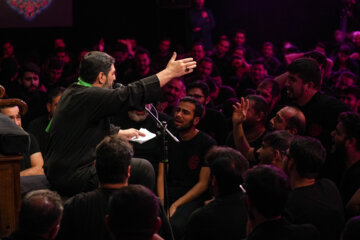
x,y
289,118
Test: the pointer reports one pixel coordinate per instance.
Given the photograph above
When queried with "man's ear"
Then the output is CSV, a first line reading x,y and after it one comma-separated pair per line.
x,y
207,100
293,131
260,116
196,120
350,142
101,78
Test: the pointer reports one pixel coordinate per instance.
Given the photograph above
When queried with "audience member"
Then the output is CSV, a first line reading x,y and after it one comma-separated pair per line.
x,y
274,147
162,56
31,90
227,167
39,217
290,119
320,110
133,214
188,173
346,145
312,200
85,212
171,93
271,63
249,119
32,162
200,91
351,97
351,230
38,126
141,69
267,189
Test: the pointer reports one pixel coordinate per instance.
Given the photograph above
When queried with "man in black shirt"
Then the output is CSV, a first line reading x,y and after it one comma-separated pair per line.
x,y
188,173
227,166
312,200
267,189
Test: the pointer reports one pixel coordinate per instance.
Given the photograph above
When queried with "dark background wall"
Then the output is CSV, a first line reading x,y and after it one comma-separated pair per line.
x,y
302,21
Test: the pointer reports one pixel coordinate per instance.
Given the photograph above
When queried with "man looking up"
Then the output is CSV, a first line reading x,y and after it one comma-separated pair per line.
x,y
188,173
81,119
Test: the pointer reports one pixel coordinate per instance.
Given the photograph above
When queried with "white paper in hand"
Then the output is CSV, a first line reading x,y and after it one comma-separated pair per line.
x,y
141,139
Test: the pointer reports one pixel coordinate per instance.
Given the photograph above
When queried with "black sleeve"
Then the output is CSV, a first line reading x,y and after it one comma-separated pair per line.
x,y
34,145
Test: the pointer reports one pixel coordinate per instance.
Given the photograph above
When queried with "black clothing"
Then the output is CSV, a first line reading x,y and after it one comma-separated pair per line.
x,y
34,148
133,75
223,218
80,122
84,217
321,114
214,124
23,235
350,182
151,150
37,128
319,204
282,230
185,161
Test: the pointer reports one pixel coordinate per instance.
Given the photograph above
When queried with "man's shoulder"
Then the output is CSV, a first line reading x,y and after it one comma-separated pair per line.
x,y
80,199
204,138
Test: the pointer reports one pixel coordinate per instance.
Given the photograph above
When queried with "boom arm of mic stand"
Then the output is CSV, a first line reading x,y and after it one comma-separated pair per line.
x,y
162,125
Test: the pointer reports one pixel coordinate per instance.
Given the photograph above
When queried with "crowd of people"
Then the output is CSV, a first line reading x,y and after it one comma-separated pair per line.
x,y
268,144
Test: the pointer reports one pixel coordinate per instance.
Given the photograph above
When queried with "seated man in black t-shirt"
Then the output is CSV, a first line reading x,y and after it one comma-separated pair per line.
x,y
227,167
312,200
188,173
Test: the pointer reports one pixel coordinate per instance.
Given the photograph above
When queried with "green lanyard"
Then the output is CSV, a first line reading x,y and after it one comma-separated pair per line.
x,y
81,83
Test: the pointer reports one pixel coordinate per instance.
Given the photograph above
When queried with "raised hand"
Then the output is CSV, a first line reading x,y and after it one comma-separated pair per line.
x,y
240,111
181,67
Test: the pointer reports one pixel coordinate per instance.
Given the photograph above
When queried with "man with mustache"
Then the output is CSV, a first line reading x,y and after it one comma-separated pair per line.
x,y
188,173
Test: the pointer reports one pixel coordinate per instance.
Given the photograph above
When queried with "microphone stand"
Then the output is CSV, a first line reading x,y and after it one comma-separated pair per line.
x,y
163,126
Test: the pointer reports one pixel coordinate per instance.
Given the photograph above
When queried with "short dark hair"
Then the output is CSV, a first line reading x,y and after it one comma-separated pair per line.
x,y
308,154
228,166
351,123
141,50
267,188
260,105
318,56
201,85
29,67
133,211
307,69
351,229
113,156
53,93
206,59
40,210
275,87
279,140
199,109
348,74
94,63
